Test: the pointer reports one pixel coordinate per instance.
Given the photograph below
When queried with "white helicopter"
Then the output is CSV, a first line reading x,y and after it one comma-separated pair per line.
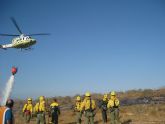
x,y
22,41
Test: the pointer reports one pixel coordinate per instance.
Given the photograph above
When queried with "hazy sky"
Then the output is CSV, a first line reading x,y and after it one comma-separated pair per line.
x,y
95,45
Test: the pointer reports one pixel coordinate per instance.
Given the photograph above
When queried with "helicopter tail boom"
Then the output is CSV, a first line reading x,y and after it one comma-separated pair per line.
x,y
6,46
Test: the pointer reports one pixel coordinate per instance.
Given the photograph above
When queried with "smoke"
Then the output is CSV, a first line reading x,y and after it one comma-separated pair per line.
x,y
7,90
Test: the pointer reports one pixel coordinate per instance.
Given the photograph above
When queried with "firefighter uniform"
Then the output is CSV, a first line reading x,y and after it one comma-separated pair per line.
x,y
78,110
89,107
40,111
55,112
103,107
113,106
27,110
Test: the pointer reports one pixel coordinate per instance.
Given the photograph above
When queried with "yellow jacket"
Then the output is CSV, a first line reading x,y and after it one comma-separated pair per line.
x,y
54,104
88,104
78,106
40,107
105,99
113,103
54,108
27,107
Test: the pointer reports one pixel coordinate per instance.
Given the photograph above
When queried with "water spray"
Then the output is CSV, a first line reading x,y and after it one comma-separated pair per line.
x,y
9,86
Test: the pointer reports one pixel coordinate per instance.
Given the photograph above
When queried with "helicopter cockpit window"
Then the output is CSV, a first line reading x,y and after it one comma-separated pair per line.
x,y
27,37
24,38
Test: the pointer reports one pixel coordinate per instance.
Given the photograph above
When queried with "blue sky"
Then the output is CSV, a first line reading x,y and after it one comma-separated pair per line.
x,y
94,45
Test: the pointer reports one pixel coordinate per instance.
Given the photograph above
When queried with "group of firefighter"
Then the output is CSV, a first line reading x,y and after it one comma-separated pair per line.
x,y
39,111
86,107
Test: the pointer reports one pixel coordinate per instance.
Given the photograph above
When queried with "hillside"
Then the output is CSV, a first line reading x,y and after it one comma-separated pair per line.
x,y
137,107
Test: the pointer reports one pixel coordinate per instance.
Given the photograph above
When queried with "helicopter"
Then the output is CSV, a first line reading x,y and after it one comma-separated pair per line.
x,y
20,41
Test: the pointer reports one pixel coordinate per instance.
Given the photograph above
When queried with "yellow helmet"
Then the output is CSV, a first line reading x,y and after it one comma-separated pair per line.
x,y
78,98
105,96
41,98
29,99
87,94
113,93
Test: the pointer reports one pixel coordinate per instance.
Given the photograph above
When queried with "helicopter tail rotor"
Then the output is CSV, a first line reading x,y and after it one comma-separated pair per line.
x,y
1,47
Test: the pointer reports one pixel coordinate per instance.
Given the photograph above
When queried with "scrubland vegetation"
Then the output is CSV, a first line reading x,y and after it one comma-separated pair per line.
x,y
137,107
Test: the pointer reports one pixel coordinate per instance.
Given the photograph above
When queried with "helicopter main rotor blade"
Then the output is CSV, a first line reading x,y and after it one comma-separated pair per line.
x,y
16,25
9,35
38,34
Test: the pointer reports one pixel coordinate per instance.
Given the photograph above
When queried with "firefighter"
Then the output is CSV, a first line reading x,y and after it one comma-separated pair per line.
x,y
27,110
6,113
113,106
40,110
103,108
55,111
78,110
89,106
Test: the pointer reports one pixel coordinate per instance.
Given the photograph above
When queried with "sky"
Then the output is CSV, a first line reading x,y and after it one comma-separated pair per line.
x,y
95,45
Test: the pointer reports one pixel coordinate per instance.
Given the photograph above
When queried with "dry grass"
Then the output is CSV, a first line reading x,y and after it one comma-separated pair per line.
x,y
135,114
143,113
